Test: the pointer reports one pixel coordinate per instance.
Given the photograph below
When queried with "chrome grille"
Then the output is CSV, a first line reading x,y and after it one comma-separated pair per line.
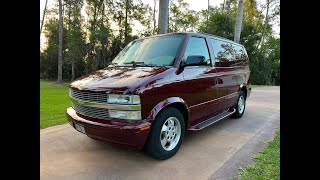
x,y
89,96
91,111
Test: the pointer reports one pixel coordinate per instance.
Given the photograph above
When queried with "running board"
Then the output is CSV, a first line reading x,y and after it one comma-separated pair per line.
x,y
212,120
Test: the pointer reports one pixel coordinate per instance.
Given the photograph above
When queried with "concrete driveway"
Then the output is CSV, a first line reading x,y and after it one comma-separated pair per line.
x,y
213,153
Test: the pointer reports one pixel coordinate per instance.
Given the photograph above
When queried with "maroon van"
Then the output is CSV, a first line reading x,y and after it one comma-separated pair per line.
x,y
159,87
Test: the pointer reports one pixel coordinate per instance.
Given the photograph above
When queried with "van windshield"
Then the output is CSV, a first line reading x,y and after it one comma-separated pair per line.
x,y
156,51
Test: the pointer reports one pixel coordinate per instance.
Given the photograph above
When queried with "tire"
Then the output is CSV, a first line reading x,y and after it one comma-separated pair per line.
x,y
240,109
168,133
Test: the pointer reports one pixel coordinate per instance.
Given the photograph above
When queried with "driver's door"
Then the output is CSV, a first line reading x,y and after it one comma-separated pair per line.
x,y
200,90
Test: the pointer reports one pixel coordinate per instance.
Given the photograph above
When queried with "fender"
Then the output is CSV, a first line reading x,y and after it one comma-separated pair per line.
x,y
161,105
247,88
241,85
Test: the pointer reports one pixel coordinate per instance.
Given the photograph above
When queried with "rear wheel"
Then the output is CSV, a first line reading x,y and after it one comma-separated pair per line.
x,y
166,134
240,105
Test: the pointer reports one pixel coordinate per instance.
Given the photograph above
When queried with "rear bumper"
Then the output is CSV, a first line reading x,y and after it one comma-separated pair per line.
x,y
133,134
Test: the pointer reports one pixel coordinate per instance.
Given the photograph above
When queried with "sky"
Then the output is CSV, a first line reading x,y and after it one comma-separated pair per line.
x,y
196,5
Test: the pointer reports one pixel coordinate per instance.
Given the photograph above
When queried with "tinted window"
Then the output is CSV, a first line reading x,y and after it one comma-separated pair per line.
x,y
223,52
157,51
240,54
241,57
197,47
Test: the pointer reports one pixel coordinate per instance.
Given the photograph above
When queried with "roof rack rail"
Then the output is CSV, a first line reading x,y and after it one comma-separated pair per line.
x,y
216,36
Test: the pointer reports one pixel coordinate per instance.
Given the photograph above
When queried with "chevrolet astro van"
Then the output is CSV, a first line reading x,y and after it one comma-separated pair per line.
x,y
160,87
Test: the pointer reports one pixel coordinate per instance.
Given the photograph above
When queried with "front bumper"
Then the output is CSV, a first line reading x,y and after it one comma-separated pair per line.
x,y
134,133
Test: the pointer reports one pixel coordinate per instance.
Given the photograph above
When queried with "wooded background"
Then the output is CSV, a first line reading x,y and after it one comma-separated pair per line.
x,y
90,41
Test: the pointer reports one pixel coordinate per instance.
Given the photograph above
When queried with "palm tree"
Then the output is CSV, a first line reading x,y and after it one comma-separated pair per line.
x,y
43,15
208,16
237,30
163,16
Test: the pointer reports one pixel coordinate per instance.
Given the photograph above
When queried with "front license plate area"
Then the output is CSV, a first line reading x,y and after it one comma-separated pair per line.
x,y
79,127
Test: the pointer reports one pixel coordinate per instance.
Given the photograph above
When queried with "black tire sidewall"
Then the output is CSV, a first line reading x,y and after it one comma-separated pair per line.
x,y
153,145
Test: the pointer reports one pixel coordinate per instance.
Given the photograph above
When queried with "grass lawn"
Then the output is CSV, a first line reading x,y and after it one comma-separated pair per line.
x,y
267,164
54,101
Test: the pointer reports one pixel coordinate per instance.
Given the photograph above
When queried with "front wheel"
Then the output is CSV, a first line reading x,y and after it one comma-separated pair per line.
x,y
166,134
240,105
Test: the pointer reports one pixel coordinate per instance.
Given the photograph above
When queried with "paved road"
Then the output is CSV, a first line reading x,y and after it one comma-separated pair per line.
x,y
213,153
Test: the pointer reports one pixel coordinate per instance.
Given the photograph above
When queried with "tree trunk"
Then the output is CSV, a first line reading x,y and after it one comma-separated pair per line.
x,y
60,43
72,70
224,3
163,16
237,31
228,3
265,25
91,43
207,17
126,23
43,15
154,17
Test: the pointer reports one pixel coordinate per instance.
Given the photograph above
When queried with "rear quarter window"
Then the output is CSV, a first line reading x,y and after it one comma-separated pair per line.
x,y
223,52
241,57
228,54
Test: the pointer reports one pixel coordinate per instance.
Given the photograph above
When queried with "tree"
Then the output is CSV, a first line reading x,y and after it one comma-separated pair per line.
x,y
266,21
43,15
75,37
93,11
90,42
219,24
154,17
128,7
237,30
48,60
181,18
60,43
163,16
208,15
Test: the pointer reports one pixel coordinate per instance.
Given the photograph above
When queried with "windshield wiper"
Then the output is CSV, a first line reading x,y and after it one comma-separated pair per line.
x,y
138,63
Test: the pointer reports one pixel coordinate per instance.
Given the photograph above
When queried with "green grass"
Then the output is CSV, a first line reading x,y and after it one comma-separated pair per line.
x,y
267,162
54,101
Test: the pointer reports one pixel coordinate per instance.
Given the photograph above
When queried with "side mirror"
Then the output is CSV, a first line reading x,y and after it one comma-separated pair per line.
x,y
194,61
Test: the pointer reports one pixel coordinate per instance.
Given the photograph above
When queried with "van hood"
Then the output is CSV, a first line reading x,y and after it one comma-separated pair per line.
x,y
115,79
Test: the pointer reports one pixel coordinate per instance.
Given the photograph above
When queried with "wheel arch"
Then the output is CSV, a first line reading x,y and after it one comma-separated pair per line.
x,y
175,102
243,87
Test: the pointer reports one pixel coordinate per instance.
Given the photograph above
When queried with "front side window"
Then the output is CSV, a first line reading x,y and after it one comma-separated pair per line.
x,y
156,51
197,47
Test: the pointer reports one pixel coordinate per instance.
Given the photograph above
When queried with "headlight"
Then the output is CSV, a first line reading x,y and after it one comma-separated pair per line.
x,y
130,115
123,99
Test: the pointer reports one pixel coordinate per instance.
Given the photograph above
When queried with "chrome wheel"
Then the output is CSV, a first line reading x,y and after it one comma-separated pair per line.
x,y
170,133
241,104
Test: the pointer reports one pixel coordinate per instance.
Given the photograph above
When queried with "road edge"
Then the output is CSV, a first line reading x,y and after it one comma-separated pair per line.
x,y
243,157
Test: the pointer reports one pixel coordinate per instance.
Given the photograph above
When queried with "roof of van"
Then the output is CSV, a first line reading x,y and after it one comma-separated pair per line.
x,y
198,34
